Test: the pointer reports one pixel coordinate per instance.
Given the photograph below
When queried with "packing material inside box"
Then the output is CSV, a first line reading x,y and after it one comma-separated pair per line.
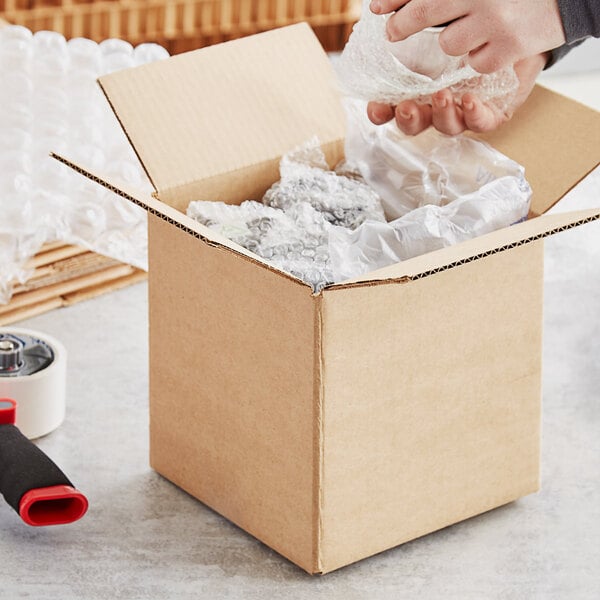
x,y
338,424
326,226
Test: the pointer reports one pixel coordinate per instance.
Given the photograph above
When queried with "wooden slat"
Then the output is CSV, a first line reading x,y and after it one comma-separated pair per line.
x,y
184,24
85,293
110,285
65,287
63,270
54,255
26,312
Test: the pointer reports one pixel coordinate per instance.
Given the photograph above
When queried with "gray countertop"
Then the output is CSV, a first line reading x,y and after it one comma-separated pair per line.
x,y
145,538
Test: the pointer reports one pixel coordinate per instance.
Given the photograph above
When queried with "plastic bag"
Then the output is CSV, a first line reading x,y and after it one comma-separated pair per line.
x,y
437,191
373,68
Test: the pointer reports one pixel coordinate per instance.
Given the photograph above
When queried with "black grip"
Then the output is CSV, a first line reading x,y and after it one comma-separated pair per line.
x,y
24,467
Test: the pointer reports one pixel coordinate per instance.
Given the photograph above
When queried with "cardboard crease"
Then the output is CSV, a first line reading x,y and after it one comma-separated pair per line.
x,y
319,434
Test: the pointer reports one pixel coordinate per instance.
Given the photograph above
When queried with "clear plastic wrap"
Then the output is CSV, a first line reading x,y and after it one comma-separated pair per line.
x,y
408,172
373,68
306,178
325,227
295,241
51,102
291,228
437,190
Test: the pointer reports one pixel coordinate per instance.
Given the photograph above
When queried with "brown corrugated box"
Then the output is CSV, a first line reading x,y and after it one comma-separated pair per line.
x,y
335,425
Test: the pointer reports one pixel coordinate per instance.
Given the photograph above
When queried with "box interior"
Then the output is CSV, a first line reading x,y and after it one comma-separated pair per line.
x,y
213,125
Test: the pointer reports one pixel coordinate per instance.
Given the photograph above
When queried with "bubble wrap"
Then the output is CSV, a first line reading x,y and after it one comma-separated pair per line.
x,y
306,178
326,227
51,102
291,228
295,241
372,68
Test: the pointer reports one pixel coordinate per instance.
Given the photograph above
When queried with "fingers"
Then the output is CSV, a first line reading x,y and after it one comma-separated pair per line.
x,y
461,37
379,113
446,116
479,117
382,7
413,118
420,14
488,59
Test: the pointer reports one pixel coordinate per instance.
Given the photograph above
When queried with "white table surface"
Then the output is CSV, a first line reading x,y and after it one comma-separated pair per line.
x,y
145,538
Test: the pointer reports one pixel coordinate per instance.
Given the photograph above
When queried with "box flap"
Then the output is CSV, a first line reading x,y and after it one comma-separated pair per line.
x,y
166,213
225,107
486,245
556,139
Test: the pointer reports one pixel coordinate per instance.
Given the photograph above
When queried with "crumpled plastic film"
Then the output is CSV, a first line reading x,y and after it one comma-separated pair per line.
x,y
291,228
325,227
438,191
373,68
408,172
305,177
50,102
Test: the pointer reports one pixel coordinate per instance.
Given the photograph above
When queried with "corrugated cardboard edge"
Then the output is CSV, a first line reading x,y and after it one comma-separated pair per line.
x,y
179,220
412,270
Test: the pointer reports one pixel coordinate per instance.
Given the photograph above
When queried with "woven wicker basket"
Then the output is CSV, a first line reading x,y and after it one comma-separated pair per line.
x,y
182,25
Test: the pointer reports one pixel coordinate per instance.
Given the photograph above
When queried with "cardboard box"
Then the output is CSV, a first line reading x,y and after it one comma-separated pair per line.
x,y
335,425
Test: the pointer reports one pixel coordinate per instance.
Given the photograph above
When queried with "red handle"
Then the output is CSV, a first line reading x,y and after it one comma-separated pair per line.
x,y
56,505
8,411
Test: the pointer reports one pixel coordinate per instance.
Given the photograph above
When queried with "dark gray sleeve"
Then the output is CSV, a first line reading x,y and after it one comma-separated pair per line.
x,y
558,53
580,19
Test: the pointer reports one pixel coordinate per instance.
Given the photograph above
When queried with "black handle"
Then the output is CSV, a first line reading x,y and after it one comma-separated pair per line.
x,y
26,473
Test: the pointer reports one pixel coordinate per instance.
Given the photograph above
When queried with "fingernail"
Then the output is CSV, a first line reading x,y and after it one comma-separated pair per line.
x,y
468,105
406,115
441,102
375,6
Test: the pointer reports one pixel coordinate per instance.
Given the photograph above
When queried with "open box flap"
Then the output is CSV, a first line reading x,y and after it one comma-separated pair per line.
x,y
480,247
166,213
415,268
556,139
225,107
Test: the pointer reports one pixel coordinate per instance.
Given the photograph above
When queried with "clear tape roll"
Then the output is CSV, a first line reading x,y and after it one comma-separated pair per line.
x,y
40,396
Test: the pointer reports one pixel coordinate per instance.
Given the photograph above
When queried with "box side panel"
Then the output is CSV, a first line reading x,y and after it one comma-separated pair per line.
x,y
231,387
228,106
248,183
431,402
556,139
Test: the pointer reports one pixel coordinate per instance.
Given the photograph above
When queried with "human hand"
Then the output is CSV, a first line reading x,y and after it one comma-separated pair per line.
x,y
493,33
452,115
